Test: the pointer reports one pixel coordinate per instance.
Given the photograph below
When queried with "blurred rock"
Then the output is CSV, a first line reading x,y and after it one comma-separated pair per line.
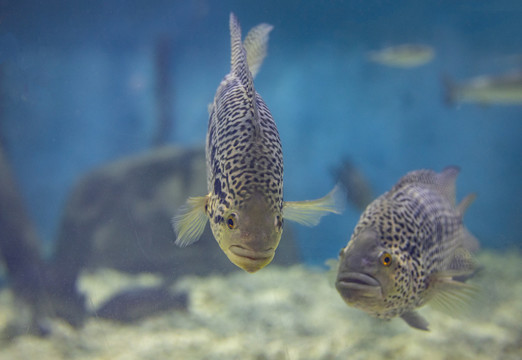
x,y
119,216
26,271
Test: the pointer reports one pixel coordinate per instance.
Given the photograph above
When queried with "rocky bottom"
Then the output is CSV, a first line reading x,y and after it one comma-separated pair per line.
x,y
279,313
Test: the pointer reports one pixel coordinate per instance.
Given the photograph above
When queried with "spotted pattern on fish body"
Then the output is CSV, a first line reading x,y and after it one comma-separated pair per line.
x,y
244,153
245,167
419,226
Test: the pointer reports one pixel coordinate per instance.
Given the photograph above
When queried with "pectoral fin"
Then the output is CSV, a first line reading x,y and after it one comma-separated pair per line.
x,y
310,212
451,296
190,222
415,320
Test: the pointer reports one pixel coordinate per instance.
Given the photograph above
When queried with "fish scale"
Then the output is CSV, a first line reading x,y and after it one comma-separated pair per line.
x,y
244,204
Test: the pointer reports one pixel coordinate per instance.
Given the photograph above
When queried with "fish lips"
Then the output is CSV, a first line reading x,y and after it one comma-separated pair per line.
x,y
353,285
248,259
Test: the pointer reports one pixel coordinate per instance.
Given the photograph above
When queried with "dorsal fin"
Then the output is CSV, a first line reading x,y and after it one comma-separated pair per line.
x,y
444,182
447,182
239,63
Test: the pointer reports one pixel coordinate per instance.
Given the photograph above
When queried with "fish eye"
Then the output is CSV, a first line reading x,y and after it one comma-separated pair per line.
x,y
232,221
386,259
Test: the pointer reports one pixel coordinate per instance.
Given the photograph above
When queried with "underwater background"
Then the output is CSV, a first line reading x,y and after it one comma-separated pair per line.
x,y
78,91
84,84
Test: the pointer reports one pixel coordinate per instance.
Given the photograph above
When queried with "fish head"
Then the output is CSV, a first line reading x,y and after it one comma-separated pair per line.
x,y
366,274
251,233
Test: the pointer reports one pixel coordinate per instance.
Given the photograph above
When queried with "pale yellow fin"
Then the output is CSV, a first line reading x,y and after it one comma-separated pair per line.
x,y
310,212
190,221
256,44
452,297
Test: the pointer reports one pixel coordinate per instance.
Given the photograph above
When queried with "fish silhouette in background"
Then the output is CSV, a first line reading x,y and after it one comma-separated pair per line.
x,y
410,248
403,56
485,90
245,204
357,188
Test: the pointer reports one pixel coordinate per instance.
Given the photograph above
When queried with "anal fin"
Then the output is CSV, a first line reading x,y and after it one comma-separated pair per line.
x,y
415,320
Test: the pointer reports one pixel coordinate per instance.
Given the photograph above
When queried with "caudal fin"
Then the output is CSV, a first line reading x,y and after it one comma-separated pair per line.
x,y
256,45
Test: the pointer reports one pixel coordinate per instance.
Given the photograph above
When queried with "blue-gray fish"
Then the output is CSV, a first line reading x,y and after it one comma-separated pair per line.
x,y
403,56
409,248
245,167
486,90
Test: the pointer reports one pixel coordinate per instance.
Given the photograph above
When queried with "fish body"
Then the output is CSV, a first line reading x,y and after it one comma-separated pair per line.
x,y
244,203
409,248
487,90
403,56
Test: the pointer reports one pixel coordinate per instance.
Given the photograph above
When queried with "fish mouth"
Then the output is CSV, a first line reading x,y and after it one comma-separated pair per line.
x,y
351,283
241,251
248,259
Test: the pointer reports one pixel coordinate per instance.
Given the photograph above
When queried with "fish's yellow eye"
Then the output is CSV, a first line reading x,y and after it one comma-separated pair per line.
x,y
386,259
231,221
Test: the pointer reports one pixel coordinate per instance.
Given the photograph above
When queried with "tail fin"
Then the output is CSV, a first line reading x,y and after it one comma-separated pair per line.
x,y
256,45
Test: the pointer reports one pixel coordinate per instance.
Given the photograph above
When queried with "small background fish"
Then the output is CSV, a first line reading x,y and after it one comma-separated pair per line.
x,y
504,89
403,56
410,248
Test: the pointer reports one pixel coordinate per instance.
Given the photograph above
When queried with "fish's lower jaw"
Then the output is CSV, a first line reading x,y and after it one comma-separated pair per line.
x,y
249,260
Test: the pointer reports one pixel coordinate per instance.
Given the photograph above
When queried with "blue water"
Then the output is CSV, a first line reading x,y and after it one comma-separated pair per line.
x,y
78,91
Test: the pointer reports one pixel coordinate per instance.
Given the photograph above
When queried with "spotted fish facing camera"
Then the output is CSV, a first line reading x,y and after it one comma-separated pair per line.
x,y
410,248
244,203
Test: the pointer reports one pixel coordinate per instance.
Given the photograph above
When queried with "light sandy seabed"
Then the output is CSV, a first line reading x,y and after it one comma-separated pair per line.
x,y
282,313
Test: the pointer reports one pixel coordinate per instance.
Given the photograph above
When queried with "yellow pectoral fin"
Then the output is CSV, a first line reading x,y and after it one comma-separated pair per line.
x,y
310,212
453,297
190,221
